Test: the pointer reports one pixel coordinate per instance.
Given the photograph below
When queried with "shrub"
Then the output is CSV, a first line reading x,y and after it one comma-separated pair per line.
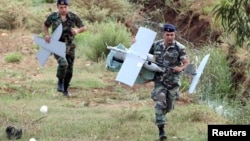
x,y
111,33
13,14
13,57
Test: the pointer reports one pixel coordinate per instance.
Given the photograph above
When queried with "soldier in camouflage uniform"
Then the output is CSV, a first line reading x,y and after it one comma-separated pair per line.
x,y
69,21
172,55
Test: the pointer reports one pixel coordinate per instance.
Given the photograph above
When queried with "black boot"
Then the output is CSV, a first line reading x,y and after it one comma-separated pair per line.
x,y
13,133
60,86
66,92
162,134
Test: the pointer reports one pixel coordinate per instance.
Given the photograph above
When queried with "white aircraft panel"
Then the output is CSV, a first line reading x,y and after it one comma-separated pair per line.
x,y
144,40
199,72
130,69
136,56
57,33
42,56
56,47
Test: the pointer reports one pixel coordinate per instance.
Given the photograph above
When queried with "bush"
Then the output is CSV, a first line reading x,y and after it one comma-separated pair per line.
x,y
110,33
13,57
13,14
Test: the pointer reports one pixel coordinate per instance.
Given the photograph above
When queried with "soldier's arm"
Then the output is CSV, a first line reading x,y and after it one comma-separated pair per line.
x,y
47,35
185,62
78,30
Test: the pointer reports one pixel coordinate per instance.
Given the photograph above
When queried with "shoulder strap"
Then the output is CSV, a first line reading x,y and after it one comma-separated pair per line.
x,y
176,46
178,49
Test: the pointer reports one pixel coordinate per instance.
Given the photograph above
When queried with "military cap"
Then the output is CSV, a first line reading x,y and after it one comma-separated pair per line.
x,y
62,2
169,27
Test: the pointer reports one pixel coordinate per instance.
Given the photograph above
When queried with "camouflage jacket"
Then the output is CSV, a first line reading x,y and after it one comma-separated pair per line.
x,y
168,56
73,20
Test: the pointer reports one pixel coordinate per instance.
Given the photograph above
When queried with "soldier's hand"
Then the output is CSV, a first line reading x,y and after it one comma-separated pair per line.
x,y
47,38
133,40
177,69
74,31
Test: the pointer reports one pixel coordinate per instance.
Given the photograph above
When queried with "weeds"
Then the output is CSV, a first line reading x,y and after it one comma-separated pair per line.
x,y
13,57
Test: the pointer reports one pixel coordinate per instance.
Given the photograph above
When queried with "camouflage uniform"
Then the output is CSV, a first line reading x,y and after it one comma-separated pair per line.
x,y
166,84
65,67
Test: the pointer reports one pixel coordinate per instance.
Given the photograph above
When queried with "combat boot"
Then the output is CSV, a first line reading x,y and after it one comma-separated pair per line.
x,y
13,133
162,134
60,87
65,91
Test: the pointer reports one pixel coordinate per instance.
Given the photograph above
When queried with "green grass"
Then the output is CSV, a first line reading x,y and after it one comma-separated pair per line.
x,y
100,109
70,119
13,57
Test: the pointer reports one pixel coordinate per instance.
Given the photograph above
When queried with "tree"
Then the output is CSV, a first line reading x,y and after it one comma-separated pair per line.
x,y
235,18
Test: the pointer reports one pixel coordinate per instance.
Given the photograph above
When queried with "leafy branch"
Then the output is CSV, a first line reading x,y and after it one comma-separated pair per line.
x,y
234,16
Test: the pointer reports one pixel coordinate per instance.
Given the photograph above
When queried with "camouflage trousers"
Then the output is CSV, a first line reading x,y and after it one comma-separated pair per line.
x,y
164,99
65,66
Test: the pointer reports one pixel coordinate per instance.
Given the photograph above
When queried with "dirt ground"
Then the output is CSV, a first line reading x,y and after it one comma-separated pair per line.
x,y
15,41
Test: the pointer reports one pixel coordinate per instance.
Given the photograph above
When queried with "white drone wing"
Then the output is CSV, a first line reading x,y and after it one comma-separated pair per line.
x,y
136,56
42,56
144,40
54,46
198,74
57,33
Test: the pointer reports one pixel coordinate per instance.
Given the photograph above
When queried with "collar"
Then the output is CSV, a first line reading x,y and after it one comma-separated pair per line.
x,y
172,45
67,15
